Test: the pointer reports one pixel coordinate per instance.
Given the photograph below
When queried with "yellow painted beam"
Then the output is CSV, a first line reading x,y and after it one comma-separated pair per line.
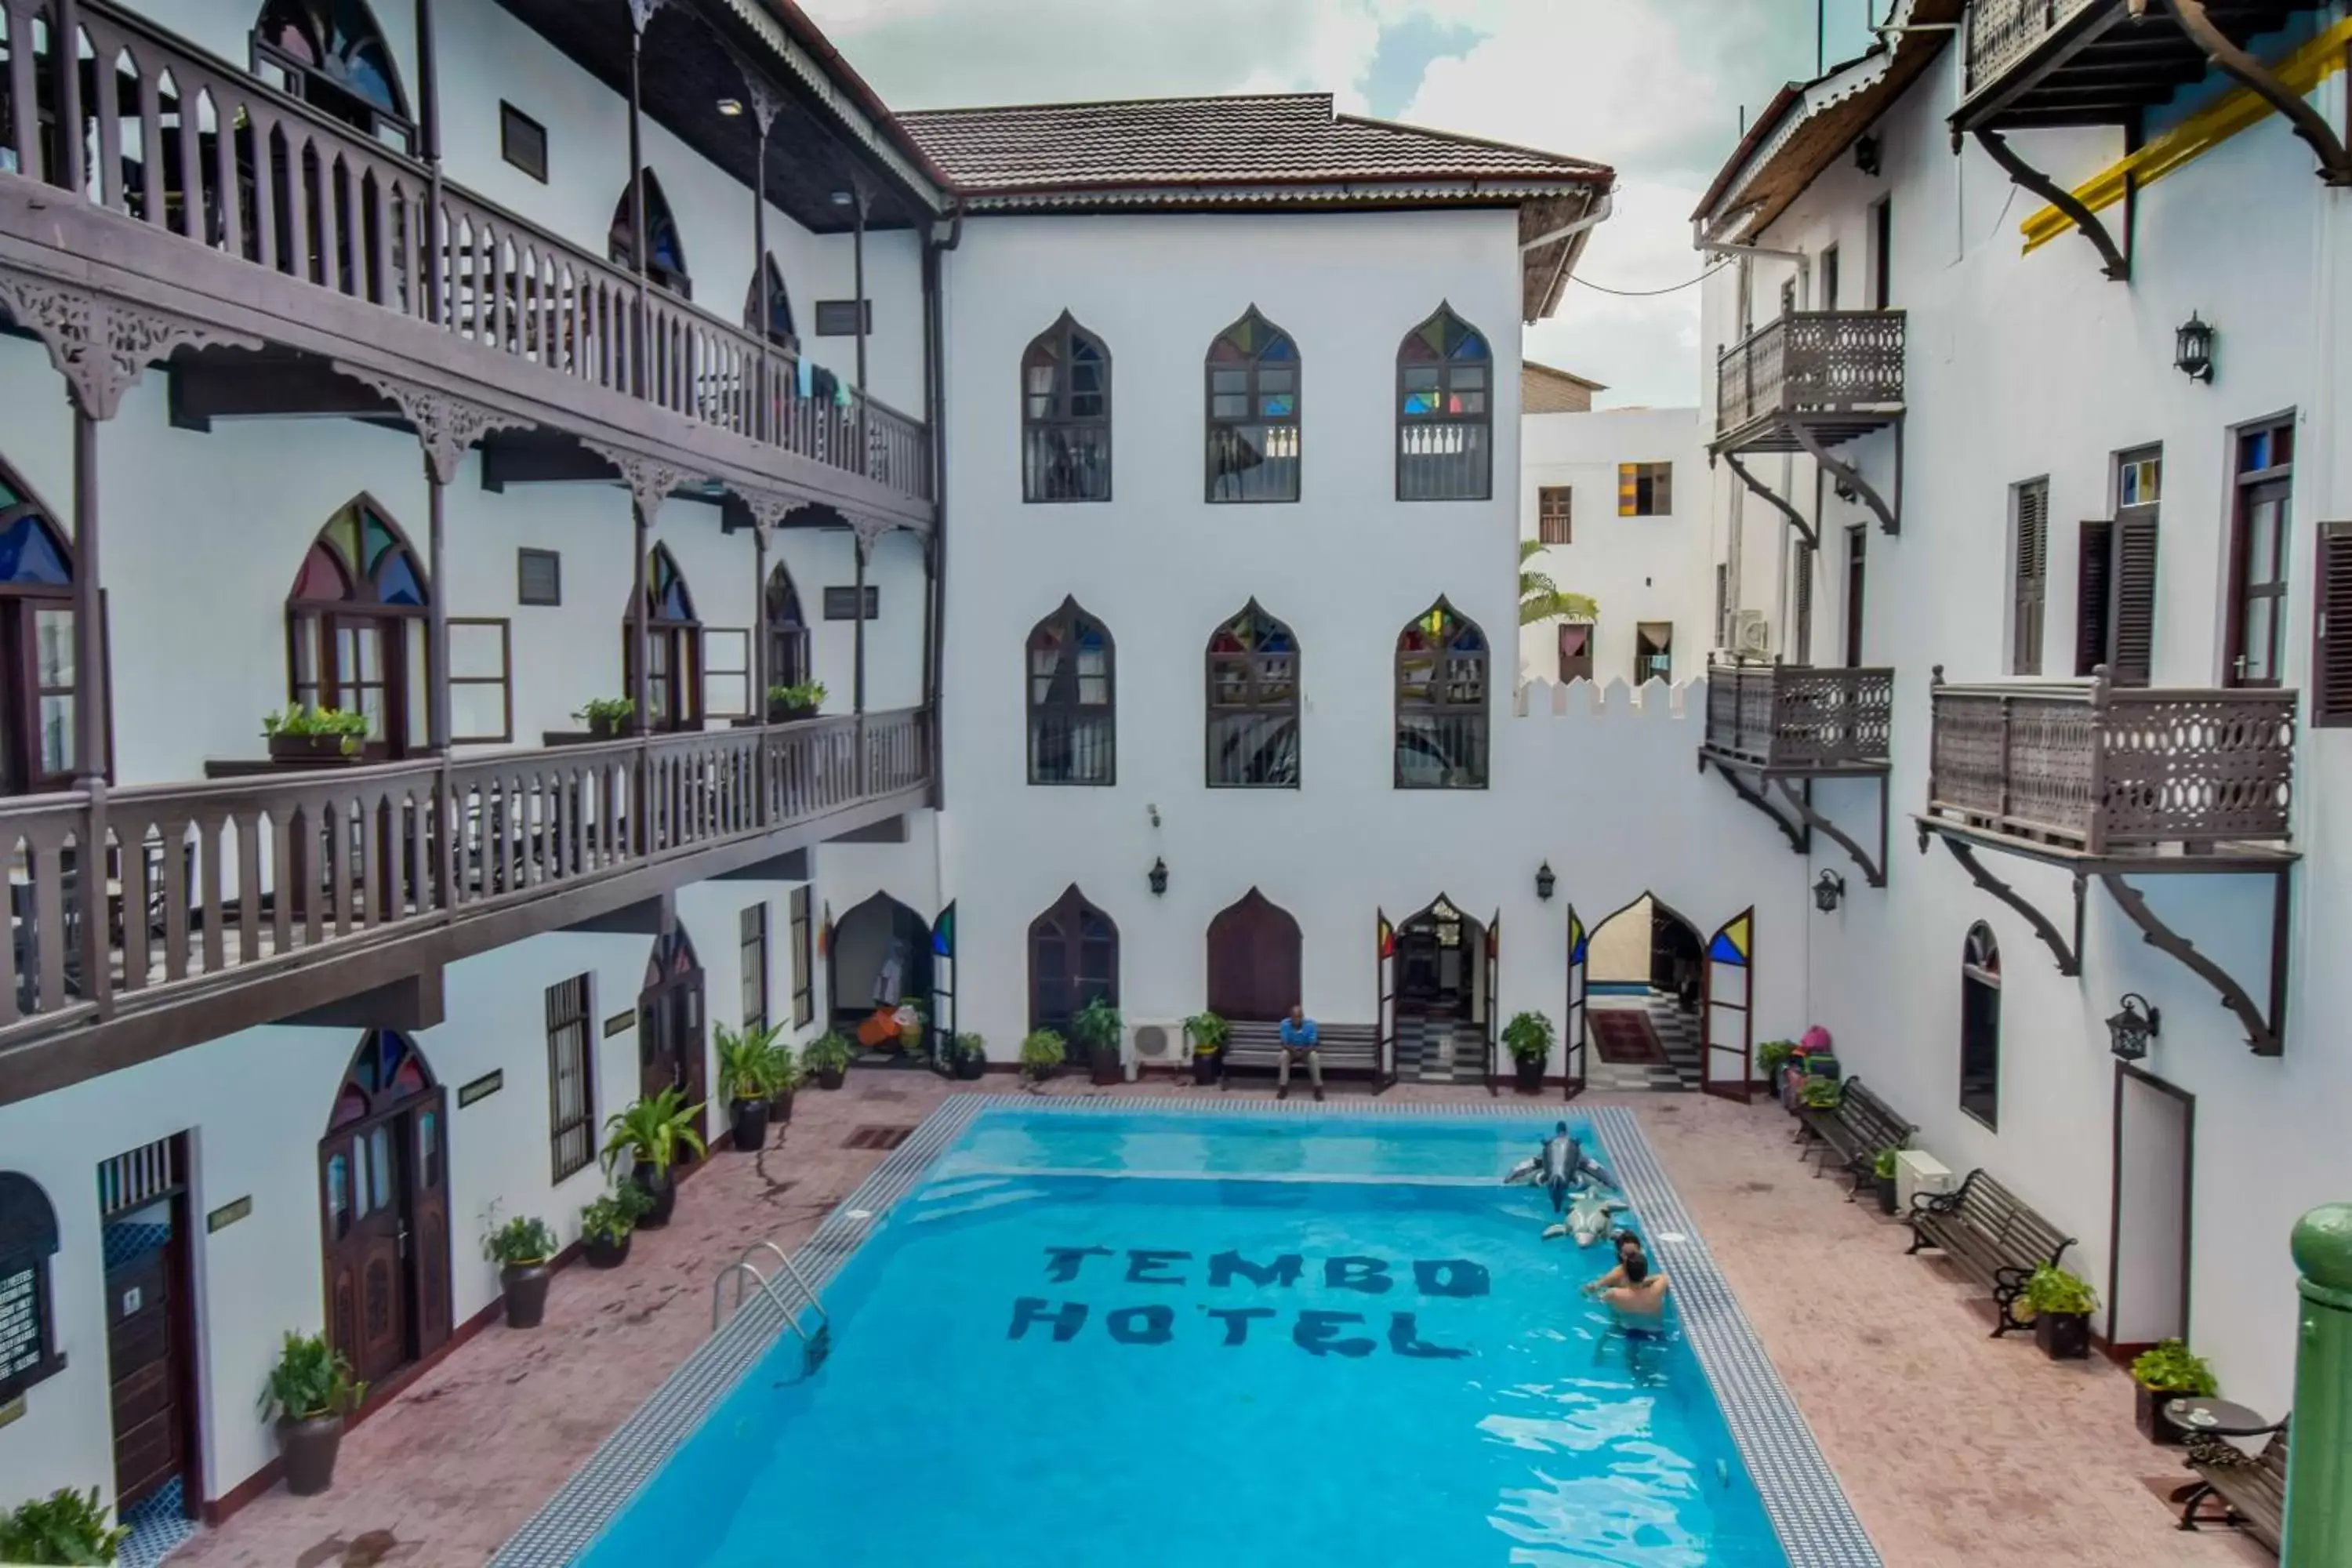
x,y
2301,72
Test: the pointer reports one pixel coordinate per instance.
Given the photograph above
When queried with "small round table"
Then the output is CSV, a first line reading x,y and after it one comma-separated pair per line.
x,y
2216,1418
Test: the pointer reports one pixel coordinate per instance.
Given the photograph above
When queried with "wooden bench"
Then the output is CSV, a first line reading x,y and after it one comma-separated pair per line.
x,y
2250,1487
1344,1048
1987,1230
1853,1131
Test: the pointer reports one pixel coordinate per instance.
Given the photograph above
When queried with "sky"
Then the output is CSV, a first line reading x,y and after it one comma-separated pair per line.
x,y
1653,87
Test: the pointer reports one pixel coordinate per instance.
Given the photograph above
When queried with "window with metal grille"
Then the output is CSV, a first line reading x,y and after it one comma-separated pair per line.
x,y
1445,414
2029,573
2331,632
1072,710
803,946
29,1239
522,142
753,940
1723,604
1253,704
539,576
1645,489
1253,420
1800,641
1066,416
571,1086
1552,508
842,604
1442,659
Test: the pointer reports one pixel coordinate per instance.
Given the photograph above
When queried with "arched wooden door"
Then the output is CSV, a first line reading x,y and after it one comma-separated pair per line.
x,y
1572,1029
1729,1069
1254,960
1073,959
670,1047
383,1179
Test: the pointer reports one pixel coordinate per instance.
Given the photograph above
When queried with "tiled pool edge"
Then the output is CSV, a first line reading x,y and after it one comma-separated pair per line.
x,y
1808,1508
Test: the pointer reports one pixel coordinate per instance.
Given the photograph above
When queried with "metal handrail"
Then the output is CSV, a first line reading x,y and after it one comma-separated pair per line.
x,y
740,1267
808,1292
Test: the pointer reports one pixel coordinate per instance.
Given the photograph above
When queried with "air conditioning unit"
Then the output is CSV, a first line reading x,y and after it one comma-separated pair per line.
x,y
1752,635
1156,1044
1917,1172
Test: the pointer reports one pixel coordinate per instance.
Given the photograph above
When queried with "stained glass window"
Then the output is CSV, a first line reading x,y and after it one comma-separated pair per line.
x,y
672,646
788,633
665,252
331,55
780,305
354,615
1253,669
1071,708
1253,416
37,651
1444,411
29,1239
385,1071
1442,660
1066,416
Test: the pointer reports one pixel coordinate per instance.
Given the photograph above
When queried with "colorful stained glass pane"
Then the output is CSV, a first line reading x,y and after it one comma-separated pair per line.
x,y
1471,346
396,583
9,495
1730,943
943,933
1281,348
1387,939
1468,640
30,553
375,538
321,576
344,534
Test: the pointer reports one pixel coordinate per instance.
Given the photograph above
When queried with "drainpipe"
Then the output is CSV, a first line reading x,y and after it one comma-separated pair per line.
x,y
2318,1532
935,410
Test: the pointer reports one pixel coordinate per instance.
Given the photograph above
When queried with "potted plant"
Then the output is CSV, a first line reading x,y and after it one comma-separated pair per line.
x,y
2060,1306
1819,1094
747,1081
607,717
1882,1177
311,736
2161,1376
1529,1037
1042,1051
969,1053
66,1526
522,1248
1098,1029
787,704
606,1225
827,1057
783,1079
311,1391
652,1132
1207,1032
1772,1062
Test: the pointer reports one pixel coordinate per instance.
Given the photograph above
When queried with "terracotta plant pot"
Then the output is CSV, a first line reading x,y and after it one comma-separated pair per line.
x,y
2062,1336
2147,1413
1526,1077
603,1254
751,1117
310,1447
524,1285
310,751
780,1108
1204,1067
662,1187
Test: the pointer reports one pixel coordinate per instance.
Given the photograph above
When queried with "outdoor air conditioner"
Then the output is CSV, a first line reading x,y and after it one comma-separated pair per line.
x,y
1915,1172
1751,633
1155,1044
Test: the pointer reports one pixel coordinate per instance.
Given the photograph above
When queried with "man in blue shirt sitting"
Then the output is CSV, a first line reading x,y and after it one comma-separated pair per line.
x,y
1298,1040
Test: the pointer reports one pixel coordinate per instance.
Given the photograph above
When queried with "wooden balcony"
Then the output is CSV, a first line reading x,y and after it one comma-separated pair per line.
x,y
213,884
1839,372
2066,769
323,217
2091,62
1797,721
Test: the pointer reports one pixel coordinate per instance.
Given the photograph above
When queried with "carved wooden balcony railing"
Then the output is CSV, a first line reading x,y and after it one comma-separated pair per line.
x,y
237,877
1797,720
197,147
1809,362
2084,767
2002,33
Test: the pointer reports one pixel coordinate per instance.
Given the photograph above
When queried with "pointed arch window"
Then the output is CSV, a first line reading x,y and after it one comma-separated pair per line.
x,y
36,644
1254,422
1072,710
788,632
665,252
1253,704
1073,960
674,644
1980,1025
331,55
779,324
355,627
1441,664
29,1240
1066,416
1445,411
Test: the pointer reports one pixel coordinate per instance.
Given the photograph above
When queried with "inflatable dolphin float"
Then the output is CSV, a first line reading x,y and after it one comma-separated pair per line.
x,y
1588,1218
1561,1165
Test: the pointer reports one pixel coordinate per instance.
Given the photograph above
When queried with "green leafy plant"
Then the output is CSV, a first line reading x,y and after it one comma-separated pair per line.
x,y
829,1052
66,1527
653,1132
2050,1289
1529,1037
807,694
1207,1032
2170,1368
1042,1050
612,1217
312,1379
968,1047
1883,1164
1540,598
303,720
1821,1094
783,1065
607,713
1098,1024
747,1062
519,1241
1773,1055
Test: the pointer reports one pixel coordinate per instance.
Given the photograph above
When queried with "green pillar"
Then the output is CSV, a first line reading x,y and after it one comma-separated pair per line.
x,y
2319,1451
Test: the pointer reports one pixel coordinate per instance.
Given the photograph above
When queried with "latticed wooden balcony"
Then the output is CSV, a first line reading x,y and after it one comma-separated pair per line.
x,y
2085,768
1797,719
2091,62
1839,371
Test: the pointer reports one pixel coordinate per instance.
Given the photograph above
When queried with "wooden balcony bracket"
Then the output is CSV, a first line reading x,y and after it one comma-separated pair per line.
x,y
2265,1031
1874,871
1849,479
1773,499
102,345
2068,954
1798,833
2115,263
2334,162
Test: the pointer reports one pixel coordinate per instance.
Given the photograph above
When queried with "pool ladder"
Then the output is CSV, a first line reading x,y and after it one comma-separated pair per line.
x,y
814,1346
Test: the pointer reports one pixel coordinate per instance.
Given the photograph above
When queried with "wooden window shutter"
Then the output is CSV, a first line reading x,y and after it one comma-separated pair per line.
x,y
2091,595
1803,637
2033,576
1629,480
2131,654
2331,640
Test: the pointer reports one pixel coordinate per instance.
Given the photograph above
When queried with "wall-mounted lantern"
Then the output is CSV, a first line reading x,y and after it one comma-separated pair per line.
x,y
1159,875
2192,352
2129,1031
1828,891
1545,881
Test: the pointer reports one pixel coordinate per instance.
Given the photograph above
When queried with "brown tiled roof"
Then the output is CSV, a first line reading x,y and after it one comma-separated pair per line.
x,y
1277,139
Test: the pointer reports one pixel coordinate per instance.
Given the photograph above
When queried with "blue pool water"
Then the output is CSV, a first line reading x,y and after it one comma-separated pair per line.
x,y
1050,1353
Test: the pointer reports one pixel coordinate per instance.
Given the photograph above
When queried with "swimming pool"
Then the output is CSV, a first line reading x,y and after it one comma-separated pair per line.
x,y
1179,1339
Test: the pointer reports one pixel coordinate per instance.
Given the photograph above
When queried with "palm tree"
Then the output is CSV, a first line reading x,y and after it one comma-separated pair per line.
x,y
1540,598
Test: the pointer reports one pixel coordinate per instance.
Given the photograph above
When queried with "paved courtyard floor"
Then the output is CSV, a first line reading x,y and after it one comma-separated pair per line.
x,y
1957,1451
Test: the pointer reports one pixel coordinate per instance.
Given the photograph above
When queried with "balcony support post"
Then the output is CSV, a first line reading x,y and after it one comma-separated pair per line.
x,y
1798,834
861,191
1805,529
2115,263
2265,1033
760,672
2068,954
2334,162
1890,518
641,15
428,134
65,49
1874,871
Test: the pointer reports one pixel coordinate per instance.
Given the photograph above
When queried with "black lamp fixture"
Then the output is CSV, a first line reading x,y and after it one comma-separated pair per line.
x,y
2129,1031
1866,154
1545,881
1828,891
1158,875
2192,352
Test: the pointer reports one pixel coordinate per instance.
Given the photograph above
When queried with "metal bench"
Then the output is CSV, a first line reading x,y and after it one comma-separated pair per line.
x,y
1344,1048
2250,1487
1853,1131
1987,1230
